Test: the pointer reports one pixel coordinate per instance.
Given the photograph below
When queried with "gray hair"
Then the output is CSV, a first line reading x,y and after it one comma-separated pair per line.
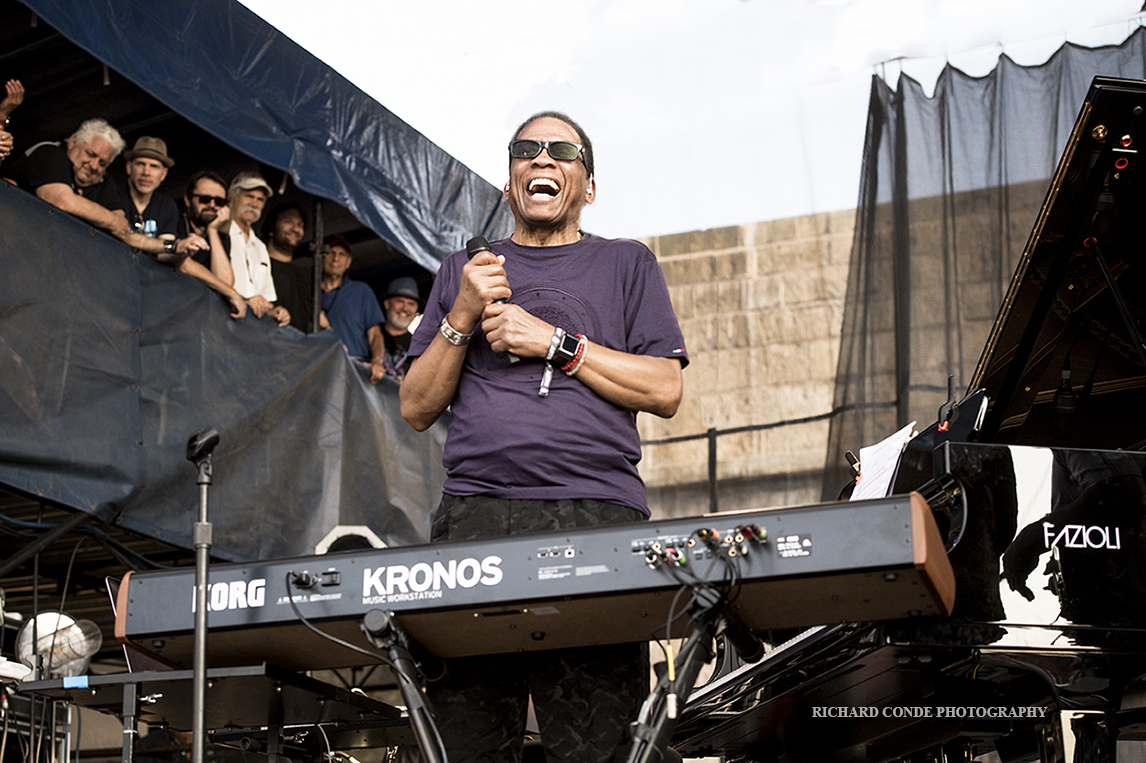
x,y
99,128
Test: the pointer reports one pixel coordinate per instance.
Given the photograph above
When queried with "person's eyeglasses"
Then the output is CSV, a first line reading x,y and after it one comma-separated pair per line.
x,y
561,150
206,199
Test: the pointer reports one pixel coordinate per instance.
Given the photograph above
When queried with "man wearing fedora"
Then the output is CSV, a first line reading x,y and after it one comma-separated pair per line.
x,y
401,305
153,214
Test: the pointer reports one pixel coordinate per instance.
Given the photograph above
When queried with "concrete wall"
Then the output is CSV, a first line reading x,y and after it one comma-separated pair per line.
x,y
761,307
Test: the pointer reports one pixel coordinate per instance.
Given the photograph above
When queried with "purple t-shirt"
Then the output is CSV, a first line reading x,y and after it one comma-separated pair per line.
x,y
504,439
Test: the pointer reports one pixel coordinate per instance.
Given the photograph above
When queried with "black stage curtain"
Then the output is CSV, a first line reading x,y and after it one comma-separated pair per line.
x,y
950,189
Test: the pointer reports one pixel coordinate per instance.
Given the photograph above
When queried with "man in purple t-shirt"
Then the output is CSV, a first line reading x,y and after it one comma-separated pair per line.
x,y
545,348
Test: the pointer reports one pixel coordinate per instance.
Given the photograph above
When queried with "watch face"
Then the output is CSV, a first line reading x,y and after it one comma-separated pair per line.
x,y
567,350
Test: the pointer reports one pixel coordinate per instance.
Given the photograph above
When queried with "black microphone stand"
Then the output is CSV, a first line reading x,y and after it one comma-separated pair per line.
x,y
383,632
199,449
713,617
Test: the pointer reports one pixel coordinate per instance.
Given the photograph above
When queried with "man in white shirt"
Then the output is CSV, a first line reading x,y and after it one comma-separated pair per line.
x,y
250,261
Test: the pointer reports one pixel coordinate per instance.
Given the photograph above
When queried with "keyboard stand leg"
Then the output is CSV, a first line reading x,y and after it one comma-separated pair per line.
x,y
712,615
130,727
274,743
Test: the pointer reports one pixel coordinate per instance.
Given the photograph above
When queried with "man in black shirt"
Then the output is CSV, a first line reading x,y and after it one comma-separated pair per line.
x,y
206,195
149,212
72,175
283,231
401,305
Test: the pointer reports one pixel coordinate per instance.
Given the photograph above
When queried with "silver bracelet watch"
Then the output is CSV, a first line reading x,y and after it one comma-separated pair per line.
x,y
452,335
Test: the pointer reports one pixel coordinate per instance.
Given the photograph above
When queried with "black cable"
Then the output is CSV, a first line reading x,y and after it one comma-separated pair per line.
x,y
25,524
79,728
406,680
353,647
670,618
68,574
49,662
122,553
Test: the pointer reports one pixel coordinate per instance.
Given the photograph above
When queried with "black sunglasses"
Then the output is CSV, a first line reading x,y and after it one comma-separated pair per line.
x,y
206,199
561,150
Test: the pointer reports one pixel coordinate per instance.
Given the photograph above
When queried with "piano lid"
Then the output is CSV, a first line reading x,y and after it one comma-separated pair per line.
x,y
1065,364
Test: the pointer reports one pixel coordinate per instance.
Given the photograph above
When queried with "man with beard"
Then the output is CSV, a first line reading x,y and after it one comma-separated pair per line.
x,y
204,197
250,263
401,305
283,231
549,442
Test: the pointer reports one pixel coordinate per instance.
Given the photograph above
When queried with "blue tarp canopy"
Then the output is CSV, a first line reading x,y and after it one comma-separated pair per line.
x,y
220,66
110,361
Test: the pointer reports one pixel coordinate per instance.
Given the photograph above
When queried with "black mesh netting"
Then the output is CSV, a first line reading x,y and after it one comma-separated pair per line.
x,y
950,189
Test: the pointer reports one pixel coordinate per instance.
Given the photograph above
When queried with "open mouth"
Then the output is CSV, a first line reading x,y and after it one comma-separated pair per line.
x,y
542,187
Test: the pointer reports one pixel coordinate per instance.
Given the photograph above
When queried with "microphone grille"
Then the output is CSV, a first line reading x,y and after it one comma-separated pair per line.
x,y
477,244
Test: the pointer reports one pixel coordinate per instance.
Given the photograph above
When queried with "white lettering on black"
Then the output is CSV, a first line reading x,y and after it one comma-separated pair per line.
x,y
398,582
235,594
1082,536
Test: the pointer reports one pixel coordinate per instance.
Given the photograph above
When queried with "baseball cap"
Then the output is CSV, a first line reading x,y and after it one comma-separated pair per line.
x,y
248,181
337,240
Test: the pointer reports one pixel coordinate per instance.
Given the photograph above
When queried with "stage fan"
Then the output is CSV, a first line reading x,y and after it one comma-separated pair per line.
x,y
67,644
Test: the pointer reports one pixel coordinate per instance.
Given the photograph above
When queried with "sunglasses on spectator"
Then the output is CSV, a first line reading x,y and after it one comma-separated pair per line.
x,y
561,150
206,199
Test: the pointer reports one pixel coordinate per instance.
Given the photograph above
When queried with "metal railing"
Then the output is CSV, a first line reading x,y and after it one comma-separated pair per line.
x,y
713,433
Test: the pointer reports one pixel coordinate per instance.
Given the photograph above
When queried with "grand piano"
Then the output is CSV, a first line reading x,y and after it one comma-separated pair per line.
x,y
1037,479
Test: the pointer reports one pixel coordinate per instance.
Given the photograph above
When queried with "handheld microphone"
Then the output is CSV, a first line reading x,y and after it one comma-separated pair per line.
x,y
475,246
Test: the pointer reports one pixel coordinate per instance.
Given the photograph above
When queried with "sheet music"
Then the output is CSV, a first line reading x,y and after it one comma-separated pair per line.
x,y
877,464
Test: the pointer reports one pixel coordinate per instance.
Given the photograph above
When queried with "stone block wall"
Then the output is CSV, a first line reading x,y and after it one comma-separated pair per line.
x,y
761,307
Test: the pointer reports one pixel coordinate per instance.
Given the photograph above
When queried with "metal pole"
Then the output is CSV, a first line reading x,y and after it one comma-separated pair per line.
x,y
712,502
199,449
130,721
202,539
316,280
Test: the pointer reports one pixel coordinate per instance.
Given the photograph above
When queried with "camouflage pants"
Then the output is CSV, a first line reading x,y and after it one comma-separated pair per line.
x,y
585,698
